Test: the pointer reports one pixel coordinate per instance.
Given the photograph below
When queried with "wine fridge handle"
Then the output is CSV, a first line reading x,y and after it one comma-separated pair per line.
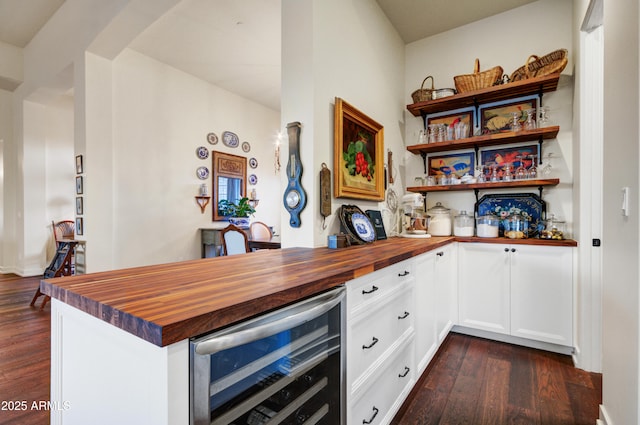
x,y
246,333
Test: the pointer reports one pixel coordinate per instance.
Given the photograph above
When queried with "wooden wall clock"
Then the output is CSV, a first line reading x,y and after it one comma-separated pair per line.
x,y
295,198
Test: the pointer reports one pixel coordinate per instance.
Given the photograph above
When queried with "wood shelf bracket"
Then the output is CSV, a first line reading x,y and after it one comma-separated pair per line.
x,y
203,201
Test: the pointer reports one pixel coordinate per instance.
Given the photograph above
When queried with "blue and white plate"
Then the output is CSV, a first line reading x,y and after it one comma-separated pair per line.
x,y
230,139
202,173
253,179
202,152
363,227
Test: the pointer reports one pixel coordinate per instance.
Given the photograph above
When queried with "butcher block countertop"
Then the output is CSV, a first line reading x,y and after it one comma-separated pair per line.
x,y
167,303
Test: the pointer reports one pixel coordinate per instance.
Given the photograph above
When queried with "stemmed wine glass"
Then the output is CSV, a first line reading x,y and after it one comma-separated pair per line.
x,y
544,117
507,174
494,173
530,124
521,171
532,173
515,121
482,176
546,168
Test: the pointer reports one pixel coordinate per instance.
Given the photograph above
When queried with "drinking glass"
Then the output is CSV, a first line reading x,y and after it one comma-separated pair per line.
x,y
433,133
544,117
482,178
521,171
532,172
530,124
546,168
515,121
507,173
494,173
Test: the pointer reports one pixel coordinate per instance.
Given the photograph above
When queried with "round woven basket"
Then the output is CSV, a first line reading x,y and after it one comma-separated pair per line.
x,y
551,63
422,94
478,80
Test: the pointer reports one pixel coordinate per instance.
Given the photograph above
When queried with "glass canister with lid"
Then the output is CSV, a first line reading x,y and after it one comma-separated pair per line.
x,y
517,227
488,226
439,220
554,229
463,224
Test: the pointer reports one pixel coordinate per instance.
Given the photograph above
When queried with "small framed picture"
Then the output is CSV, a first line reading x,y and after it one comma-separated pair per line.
x,y
451,118
79,168
498,116
457,164
79,226
79,206
79,186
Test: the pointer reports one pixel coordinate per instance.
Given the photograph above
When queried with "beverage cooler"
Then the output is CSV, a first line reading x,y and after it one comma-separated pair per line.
x,y
285,367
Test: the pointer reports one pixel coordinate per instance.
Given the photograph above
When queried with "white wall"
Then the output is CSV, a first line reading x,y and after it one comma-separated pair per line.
x,y
621,302
506,40
160,116
345,49
6,125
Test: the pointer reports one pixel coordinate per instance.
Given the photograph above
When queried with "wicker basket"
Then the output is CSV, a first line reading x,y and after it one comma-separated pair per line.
x,y
552,63
422,94
478,80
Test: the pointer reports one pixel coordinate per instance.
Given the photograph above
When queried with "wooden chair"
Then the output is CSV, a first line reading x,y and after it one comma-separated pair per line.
x,y
64,229
260,231
234,240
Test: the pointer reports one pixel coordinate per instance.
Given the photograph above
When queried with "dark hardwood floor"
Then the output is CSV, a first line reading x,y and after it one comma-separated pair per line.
x,y
471,380
479,382
24,353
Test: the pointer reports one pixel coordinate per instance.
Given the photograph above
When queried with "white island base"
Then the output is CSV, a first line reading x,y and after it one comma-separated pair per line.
x,y
101,374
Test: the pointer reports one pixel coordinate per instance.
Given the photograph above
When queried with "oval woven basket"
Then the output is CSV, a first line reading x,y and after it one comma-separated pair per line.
x,y
422,94
551,63
478,80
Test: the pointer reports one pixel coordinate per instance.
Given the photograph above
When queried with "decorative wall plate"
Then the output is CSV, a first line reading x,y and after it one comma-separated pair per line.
x,y
230,139
212,138
202,173
363,227
246,147
253,179
253,163
202,152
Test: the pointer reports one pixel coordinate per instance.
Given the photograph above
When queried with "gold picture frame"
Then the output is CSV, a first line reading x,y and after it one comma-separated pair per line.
x,y
358,154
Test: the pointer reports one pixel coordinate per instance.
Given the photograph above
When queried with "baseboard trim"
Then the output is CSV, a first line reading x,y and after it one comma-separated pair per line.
x,y
554,348
604,417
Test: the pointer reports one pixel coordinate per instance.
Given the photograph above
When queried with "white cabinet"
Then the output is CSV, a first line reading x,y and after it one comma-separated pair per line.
x,y
519,290
542,293
380,342
483,281
446,289
426,339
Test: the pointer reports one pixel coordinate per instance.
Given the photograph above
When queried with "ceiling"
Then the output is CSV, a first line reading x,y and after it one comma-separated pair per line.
x,y
236,44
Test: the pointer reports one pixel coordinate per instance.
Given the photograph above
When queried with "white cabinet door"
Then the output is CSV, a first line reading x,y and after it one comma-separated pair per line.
x,y
483,282
425,321
446,290
542,293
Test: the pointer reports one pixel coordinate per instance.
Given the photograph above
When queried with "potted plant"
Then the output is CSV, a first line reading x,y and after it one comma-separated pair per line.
x,y
238,213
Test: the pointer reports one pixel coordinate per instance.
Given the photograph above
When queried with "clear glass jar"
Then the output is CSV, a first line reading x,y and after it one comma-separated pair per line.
x,y
554,229
463,224
488,226
517,227
440,220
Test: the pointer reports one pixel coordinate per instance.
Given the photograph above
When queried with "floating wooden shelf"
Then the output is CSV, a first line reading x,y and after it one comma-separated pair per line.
x,y
538,85
481,186
487,140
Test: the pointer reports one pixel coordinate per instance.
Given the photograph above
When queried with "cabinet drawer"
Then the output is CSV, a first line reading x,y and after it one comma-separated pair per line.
x,y
376,285
384,394
371,334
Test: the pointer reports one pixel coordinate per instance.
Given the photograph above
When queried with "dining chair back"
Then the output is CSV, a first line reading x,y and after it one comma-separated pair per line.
x,y
260,231
234,240
64,229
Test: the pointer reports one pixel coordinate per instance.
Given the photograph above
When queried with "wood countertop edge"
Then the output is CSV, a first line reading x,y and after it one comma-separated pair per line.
x,y
166,331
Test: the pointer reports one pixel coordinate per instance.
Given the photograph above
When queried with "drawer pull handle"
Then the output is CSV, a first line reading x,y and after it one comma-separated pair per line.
x,y
375,413
374,342
406,372
404,316
404,273
374,288
440,254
